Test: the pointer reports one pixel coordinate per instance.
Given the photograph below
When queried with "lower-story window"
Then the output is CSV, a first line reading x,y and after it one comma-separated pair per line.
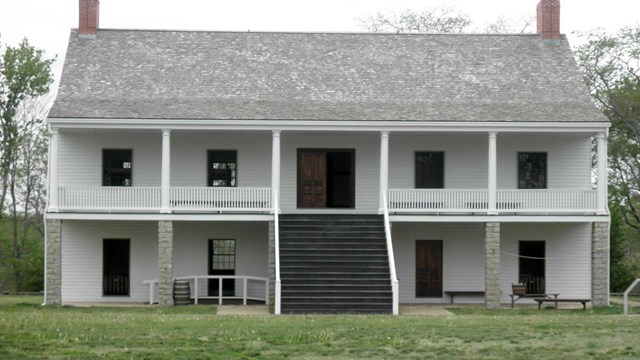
x,y
222,261
115,267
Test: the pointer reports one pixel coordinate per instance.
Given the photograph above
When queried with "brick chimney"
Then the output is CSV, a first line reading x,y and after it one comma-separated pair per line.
x,y
89,15
549,19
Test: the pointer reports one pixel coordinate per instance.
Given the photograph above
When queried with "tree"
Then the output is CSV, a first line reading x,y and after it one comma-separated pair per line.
x,y
442,19
611,67
25,75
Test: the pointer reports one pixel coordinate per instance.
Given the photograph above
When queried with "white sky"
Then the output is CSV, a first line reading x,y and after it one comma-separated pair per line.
x,y
46,23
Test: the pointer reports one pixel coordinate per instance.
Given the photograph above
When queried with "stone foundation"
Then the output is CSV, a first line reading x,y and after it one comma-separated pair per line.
x,y
53,267
600,264
492,265
165,263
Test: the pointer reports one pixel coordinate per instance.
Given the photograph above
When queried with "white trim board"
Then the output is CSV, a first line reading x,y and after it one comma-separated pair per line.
x,y
499,218
159,217
329,125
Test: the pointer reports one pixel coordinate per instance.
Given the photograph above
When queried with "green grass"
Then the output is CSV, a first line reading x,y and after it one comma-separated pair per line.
x,y
28,330
631,298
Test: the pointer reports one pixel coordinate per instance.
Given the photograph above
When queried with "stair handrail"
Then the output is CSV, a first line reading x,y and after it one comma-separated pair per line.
x,y
626,295
392,262
276,240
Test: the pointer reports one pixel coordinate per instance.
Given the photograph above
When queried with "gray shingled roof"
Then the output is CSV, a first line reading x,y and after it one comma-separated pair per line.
x,y
321,76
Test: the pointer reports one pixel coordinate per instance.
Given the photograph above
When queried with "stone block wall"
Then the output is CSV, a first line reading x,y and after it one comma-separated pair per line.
x,y
165,263
53,267
600,264
492,265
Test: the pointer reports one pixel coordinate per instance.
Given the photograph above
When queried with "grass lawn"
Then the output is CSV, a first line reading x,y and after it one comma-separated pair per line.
x,y
28,330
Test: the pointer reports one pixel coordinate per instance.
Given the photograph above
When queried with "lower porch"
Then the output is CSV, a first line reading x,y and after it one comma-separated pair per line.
x,y
438,261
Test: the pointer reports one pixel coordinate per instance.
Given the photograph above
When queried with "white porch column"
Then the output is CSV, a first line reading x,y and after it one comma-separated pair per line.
x,y
384,166
166,171
53,171
602,173
275,163
492,182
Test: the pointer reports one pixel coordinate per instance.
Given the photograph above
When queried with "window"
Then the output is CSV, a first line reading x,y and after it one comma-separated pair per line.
x,y
116,167
532,170
222,261
223,254
429,170
222,168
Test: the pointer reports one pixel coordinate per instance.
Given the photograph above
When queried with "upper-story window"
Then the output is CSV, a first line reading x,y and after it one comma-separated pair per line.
x,y
222,168
429,170
116,167
532,170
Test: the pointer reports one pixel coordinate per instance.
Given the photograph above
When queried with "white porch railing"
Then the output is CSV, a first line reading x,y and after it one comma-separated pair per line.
x,y
276,240
195,281
135,198
437,200
395,285
92,198
547,201
507,201
221,198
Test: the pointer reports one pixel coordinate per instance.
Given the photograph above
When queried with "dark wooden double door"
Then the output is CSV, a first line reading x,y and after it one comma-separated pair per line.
x,y
326,178
429,268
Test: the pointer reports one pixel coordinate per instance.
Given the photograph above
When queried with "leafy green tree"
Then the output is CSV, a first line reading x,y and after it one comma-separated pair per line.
x,y
611,67
25,75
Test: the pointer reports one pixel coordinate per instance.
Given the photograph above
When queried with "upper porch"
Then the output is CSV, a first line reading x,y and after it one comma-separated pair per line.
x,y
475,171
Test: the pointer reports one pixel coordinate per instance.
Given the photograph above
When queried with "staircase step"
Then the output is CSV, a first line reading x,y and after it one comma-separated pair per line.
x,y
337,308
334,264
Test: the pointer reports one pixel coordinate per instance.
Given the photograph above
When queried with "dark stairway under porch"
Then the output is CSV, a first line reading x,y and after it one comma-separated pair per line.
x,y
332,264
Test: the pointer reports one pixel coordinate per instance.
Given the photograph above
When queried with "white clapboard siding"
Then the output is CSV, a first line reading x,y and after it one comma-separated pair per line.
x,y
465,159
568,247
568,272
568,156
189,156
367,167
82,254
82,258
80,159
568,159
462,258
191,249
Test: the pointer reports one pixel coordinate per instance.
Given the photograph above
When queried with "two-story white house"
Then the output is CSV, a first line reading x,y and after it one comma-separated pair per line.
x,y
324,172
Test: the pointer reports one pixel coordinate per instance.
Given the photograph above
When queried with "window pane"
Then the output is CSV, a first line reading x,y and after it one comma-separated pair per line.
x,y
116,167
224,254
429,168
221,168
532,170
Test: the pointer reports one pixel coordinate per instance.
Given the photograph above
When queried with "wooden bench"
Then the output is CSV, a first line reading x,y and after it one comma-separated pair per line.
x,y
556,301
516,297
453,293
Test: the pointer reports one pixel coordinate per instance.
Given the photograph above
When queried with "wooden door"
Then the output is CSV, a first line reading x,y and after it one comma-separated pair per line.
x,y
312,179
429,268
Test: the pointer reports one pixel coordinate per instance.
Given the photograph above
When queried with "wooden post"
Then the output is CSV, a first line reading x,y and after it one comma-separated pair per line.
x,y
166,171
